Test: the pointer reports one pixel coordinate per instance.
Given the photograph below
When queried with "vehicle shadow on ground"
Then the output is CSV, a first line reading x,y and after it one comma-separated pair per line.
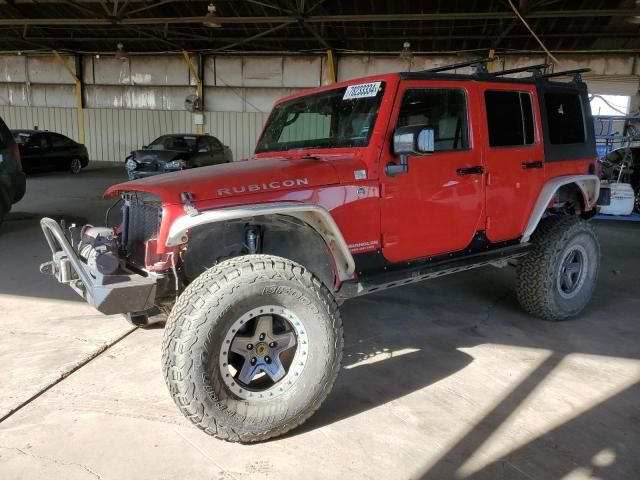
x,y
427,325
601,442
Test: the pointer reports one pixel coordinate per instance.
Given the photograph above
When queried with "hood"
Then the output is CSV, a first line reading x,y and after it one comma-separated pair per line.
x,y
158,156
234,179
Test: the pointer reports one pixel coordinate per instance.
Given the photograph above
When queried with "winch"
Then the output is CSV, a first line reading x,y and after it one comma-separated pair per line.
x,y
99,248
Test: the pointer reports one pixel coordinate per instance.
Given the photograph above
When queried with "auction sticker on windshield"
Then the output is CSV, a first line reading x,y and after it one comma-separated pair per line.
x,y
362,90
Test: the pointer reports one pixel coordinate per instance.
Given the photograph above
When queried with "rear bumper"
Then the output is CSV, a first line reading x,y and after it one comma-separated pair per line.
x,y
125,292
14,184
19,183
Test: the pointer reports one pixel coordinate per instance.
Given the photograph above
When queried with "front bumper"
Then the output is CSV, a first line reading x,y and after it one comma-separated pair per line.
x,y
125,292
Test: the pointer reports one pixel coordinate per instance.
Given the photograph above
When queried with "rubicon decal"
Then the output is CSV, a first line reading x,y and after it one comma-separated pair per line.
x,y
261,187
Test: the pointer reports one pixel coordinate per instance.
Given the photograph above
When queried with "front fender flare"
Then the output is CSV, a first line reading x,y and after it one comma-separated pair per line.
x,y
315,216
589,185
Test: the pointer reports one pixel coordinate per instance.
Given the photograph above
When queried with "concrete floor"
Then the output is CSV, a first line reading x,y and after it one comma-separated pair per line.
x,y
446,379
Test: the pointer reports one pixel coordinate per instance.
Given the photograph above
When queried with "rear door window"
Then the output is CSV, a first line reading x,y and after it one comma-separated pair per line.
x,y
565,117
58,141
203,145
40,140
509,118
215,144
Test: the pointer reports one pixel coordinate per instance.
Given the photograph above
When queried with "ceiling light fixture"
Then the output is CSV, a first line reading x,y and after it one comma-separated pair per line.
x,y
211,17
121,54
406,53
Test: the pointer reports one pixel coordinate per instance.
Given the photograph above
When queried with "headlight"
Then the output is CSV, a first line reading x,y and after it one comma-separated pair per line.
x,y
175,165
131,164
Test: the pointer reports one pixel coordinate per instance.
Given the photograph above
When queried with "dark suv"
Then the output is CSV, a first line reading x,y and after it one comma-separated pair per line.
x,y
12,180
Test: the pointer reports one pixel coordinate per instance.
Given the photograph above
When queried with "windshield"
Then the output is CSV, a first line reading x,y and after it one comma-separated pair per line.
x,y
182,143
343,117
21,138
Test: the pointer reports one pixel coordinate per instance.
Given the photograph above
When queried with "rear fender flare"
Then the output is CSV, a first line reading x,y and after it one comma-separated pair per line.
x,y
315,216
589,186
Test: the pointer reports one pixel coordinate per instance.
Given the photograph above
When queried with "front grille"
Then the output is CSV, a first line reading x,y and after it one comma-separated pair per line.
x,y
143,224
148,167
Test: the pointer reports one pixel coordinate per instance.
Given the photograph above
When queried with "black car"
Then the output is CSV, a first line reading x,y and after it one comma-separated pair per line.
x,y
43,150
12,180
170,153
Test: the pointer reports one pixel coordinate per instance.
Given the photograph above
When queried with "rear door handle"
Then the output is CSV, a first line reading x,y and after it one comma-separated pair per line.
x,y
536,164
477,170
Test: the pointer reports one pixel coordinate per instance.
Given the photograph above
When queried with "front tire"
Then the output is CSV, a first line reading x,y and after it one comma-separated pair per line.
x,y
556,280
252,348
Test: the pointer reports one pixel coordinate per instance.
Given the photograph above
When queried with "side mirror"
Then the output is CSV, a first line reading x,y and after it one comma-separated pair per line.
x,y
144,147
410,140
413,140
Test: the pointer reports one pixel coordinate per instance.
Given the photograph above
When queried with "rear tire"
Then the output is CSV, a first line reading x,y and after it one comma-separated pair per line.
x,y
223,308
556,280
75,166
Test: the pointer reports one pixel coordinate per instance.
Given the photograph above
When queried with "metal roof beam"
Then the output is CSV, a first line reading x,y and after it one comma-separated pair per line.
x,y
252,38
188,36
321,18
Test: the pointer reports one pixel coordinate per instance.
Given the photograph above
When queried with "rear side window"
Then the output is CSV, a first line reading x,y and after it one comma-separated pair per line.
x,y
39,140
509,118
444,110
60,141
565,118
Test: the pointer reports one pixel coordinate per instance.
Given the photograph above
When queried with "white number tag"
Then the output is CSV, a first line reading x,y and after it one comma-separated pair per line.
x,y
363,90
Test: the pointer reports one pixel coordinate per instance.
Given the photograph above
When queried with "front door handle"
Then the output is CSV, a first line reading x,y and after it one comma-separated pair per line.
x,y
477,170
536,164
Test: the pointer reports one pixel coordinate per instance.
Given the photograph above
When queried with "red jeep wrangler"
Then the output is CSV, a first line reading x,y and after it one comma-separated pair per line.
x,y
353,188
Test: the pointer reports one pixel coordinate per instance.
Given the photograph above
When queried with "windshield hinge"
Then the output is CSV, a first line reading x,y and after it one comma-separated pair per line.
x,y
187,199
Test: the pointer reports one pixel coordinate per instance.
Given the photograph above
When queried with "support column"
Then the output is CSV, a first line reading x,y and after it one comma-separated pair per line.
x,y
331,64
196,72
492,55
77,76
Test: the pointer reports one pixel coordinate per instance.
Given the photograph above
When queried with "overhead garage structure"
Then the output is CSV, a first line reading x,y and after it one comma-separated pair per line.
x,y
306,26
91,69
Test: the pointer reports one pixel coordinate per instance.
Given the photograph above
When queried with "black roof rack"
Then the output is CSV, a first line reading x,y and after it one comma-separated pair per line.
x,y
482,73
536,70
480,64
576,74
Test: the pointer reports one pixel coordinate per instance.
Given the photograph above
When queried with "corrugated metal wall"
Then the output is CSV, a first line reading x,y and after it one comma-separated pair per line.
x,y
62,120
110,134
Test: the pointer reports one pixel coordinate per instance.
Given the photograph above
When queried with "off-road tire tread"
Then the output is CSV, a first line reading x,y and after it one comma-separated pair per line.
x,y
190,305
535,279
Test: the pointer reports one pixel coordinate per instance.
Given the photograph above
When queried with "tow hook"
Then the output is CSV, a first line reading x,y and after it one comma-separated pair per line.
x,y
187,199
48,268
139,319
